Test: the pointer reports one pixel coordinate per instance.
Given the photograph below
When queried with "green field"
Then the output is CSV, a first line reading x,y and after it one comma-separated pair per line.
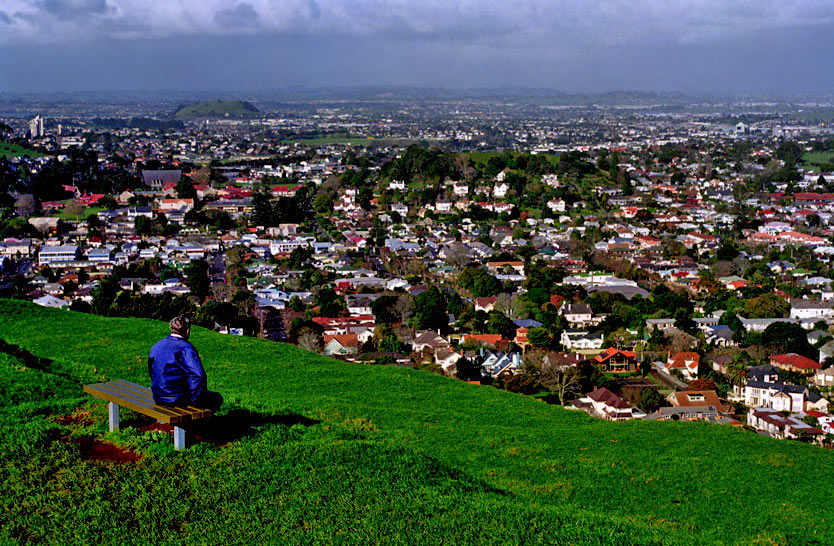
x,y
353,454
64,214
233,109
813,160
10,150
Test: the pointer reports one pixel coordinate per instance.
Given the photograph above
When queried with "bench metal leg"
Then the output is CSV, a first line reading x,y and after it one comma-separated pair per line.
x,y
113,414
179,438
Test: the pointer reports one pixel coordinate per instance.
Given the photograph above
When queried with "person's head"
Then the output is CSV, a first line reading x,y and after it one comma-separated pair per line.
x,y
181,325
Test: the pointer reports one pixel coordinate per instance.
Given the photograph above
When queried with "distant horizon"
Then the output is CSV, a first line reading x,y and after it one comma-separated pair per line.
x,y
428,90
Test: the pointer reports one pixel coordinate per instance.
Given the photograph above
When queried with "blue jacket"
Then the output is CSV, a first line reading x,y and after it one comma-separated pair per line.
x,y
177,375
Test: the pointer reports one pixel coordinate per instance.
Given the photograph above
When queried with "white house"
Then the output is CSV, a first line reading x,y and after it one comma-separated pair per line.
x,y
812,309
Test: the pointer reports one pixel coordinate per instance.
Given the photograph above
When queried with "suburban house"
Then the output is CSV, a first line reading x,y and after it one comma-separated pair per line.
x,y
498,362
340,344
824,378
660,323
485,304
604,404
776,425
424,339
793,362
812,309
682,399
578,315
686,363
615,360
581,340
692,413
764,389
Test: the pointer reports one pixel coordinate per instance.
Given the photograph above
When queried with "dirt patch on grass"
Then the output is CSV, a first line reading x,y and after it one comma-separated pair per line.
x,y
96,450
82,418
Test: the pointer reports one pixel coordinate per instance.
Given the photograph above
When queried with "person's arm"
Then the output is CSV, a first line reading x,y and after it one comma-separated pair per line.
x,y
194,373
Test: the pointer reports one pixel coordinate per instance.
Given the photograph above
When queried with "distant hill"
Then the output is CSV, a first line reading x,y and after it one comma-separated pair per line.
x,y
217,109
321,451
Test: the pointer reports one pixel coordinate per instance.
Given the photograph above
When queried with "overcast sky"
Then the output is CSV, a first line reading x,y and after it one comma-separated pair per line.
x,y
695,46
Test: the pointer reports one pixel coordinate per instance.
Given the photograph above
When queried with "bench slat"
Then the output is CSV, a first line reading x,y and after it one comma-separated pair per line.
x,y
135,405
194,412
140,399
147,407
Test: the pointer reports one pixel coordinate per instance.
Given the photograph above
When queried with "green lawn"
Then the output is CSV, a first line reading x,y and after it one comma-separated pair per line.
x,y
64,214
378,456
813,160
10,150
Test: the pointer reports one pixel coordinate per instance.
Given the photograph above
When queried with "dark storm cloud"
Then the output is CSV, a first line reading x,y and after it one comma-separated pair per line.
x,y
687,45
242,15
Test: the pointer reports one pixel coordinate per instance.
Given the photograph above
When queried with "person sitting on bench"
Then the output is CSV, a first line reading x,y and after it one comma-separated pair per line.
x,y
177,374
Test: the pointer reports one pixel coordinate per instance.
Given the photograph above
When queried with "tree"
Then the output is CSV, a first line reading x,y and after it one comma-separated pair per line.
x,y
650,400
702,384
261,209
786,337
309,340
561,381
766,306
197,279
737,369
498,323
185,189
430,310
469,370
511,306
330,304
323,203
539,337
142,225
384,309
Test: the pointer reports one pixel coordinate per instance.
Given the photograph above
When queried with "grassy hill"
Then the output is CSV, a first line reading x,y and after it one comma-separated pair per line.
x,y
12,150
217,109
343,453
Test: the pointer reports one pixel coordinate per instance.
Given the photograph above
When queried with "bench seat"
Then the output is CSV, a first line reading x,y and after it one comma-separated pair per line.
x,y
140,399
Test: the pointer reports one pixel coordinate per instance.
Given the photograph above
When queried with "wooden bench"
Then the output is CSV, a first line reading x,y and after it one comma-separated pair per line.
x,y
139,399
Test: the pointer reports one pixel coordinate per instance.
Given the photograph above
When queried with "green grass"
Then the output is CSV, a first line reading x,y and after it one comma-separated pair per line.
x,y
10,150
813,160
233,109
64,214
398,456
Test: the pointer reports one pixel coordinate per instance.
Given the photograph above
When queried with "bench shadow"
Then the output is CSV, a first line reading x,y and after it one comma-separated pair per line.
x,y
225,428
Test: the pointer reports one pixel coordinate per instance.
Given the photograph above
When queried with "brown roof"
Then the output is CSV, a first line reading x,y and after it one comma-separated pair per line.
x,y
679,361
345,340
685,399
608,398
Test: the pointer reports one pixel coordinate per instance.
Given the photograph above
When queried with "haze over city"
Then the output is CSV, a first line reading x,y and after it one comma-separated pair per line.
x,y
690,46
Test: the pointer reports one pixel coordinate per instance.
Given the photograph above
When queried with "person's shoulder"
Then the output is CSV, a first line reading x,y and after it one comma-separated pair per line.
x,y
167,341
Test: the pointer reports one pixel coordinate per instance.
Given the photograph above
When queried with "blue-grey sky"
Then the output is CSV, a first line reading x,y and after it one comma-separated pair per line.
x,y
695,46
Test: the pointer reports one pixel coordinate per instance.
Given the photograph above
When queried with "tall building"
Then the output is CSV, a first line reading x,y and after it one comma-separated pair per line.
x,y
36,127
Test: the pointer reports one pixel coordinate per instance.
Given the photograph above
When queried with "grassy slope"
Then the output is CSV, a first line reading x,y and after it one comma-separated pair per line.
x,y
9,150
399,456
216,108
